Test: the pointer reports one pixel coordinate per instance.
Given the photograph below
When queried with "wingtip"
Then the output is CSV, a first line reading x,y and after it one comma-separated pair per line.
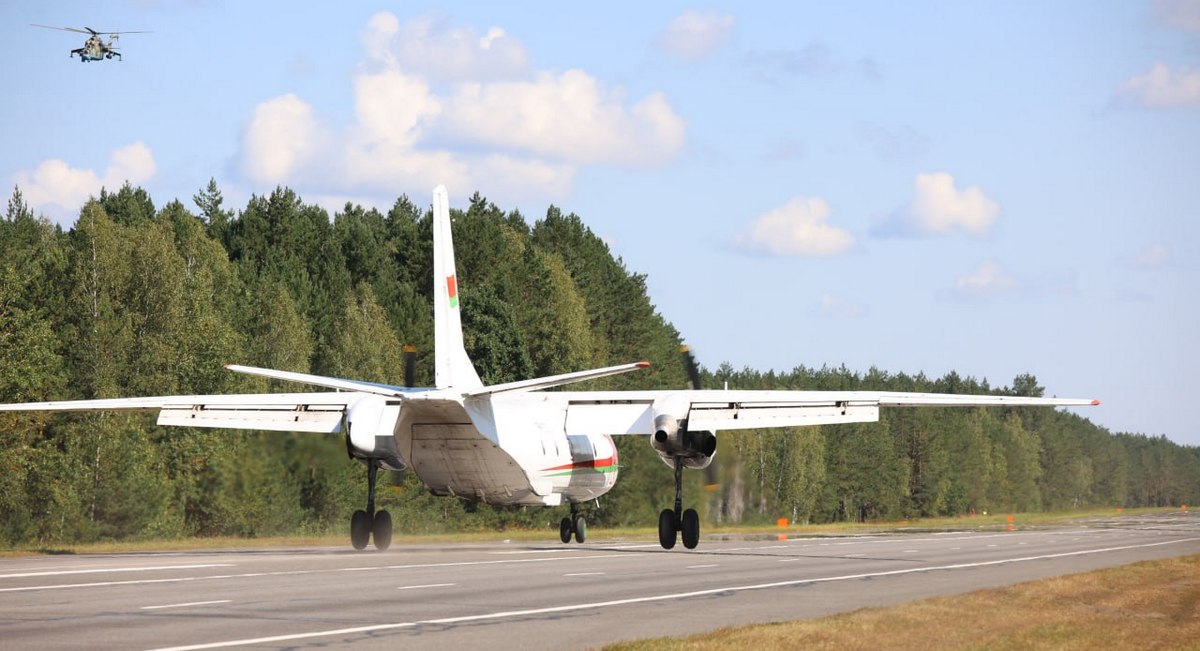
x,y
643,364
1095,403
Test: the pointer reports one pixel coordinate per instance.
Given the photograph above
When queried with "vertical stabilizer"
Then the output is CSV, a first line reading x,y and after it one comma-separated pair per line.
x,y
453,368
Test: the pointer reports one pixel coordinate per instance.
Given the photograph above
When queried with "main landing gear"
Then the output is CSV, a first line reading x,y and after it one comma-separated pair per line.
x,y
574,524
371,523
684,523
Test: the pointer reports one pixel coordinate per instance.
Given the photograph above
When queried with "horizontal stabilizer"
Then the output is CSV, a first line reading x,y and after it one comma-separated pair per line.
x,y
321,381
556,380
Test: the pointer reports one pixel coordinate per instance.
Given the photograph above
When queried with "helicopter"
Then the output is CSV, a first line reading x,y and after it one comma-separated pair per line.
x,y
94,49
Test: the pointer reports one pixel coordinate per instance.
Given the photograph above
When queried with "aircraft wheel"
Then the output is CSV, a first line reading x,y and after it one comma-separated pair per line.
x,y
667,528
690,531
381,530
564,530
580,529
360,529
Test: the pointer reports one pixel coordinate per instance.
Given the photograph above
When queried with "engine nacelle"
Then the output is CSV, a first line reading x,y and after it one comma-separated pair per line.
x,y
672,440
369,426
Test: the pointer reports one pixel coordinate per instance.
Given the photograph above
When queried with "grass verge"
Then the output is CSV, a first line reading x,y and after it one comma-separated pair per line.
x,y
1148,605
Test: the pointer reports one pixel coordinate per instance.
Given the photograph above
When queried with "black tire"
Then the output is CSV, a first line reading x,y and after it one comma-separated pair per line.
x,y
667,528
360,529
381,530
564,530
580,529
690,529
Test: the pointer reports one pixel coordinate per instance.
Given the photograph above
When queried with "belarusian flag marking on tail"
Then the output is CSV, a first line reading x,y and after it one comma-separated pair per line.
x,y
452,291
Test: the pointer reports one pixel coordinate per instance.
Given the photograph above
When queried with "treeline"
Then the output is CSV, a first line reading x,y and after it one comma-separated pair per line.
x,y
139,300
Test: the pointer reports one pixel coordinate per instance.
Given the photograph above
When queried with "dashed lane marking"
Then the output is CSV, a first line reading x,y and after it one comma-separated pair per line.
x,y
188,604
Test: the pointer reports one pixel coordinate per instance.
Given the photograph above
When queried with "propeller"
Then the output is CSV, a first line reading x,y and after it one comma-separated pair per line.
x,y
410,366
693,375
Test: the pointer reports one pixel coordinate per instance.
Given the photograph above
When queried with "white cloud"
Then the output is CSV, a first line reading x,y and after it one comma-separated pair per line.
x,y
939,207
1153,256
1179,14
567,117
836,307
797,228
430,47
438,104
693,35
989,280
59,189
282,136
1163,87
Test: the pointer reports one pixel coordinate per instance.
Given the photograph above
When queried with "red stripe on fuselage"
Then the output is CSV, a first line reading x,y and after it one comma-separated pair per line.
x,y
594,463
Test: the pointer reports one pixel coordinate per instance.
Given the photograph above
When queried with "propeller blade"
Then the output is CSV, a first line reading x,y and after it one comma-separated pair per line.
x,y
690,367
693,374
410,366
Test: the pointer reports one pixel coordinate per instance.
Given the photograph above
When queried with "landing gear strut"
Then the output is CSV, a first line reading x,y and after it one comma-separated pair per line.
x,y
675,522
574,524
368,523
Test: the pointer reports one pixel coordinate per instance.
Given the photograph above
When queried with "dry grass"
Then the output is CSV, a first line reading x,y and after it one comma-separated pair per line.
x,y
1150,605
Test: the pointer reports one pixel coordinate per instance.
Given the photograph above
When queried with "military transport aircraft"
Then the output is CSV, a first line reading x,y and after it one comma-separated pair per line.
x,y
513,443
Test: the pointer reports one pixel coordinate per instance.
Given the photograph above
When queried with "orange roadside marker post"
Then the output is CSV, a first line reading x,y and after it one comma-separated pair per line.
x,y
782,523
1010,522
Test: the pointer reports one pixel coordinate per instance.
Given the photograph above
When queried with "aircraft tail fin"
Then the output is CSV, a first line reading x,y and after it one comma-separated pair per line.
x,y
453,369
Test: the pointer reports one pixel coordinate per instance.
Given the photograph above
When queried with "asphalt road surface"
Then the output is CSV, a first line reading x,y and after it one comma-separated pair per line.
x,y
530,596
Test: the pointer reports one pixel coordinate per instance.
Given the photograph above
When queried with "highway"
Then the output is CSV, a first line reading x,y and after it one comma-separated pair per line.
x,y
499,596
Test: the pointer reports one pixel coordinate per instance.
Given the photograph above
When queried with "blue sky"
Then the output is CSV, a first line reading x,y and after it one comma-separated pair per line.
x,y
994,189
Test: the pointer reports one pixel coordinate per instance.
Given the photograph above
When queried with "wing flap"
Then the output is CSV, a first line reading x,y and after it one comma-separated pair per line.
x,y
750,415
280,418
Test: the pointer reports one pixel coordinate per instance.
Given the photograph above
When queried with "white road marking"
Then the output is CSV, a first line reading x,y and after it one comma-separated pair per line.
x,y
181,579
911,551
531,551
511,614
190,603
585,574
427,585
700,567
115,569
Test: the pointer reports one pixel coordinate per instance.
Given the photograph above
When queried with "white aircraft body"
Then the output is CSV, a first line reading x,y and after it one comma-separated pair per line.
x,y
514,443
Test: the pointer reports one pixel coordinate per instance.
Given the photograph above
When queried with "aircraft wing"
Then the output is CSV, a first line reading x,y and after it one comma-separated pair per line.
x,y
633,412
284,412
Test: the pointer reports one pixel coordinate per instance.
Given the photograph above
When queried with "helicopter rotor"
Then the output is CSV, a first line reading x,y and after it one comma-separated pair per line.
x,y
87,30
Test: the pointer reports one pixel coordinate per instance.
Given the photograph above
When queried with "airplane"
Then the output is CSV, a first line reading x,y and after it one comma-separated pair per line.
x,y
515,443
